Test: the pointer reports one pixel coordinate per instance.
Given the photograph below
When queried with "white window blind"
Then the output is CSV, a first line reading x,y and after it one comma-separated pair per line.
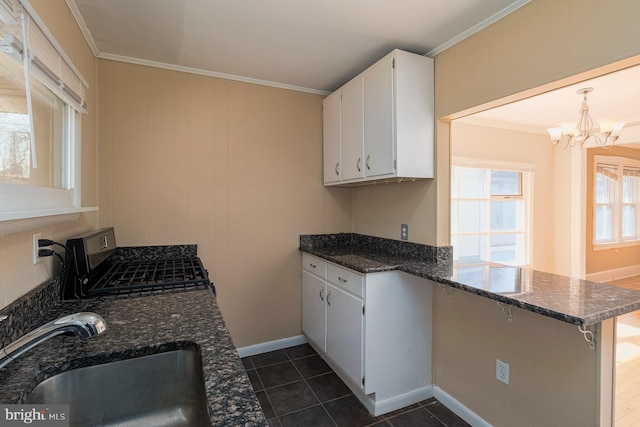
x,y
48,61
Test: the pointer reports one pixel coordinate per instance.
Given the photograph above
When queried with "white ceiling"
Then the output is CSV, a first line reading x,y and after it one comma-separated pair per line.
x,y
313,45
615,96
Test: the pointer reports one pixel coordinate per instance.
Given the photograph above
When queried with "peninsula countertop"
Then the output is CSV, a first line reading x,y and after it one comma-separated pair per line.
x,y
576,301
139,326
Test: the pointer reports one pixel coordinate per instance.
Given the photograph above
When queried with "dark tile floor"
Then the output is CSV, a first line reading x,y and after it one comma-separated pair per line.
x,y
297,388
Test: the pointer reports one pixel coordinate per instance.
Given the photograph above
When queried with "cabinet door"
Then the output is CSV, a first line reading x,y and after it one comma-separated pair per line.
x,y
351,114
331,138
345,331
314,293
379,134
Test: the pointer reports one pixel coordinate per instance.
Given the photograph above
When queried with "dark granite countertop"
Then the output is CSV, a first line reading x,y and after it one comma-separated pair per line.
x,y
575,301
140,326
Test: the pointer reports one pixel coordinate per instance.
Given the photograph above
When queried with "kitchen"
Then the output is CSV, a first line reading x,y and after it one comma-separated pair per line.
x,y
247,198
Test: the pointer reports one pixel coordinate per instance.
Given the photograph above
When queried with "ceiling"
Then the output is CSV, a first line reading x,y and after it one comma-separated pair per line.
x,y
318,45
311,45
615,96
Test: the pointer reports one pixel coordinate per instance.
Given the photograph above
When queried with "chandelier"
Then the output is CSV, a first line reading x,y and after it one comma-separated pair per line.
x,y
577,134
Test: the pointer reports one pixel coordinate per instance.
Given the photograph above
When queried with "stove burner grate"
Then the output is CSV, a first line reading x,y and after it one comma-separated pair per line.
x,y
149,275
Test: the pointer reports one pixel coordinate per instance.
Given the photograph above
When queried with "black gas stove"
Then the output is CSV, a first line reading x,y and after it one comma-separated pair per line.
x,y
95,269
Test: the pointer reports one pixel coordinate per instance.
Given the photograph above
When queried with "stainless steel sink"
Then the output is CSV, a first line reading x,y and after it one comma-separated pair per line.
x,y
161,390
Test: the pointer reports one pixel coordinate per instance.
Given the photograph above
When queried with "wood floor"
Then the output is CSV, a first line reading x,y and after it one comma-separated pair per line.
x,y
627,398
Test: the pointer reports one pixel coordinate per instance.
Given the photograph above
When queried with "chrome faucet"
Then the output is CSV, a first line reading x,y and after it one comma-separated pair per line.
x,y
84,325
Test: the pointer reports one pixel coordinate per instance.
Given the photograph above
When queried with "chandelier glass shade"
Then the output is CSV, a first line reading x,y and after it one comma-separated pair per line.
x,y
583,131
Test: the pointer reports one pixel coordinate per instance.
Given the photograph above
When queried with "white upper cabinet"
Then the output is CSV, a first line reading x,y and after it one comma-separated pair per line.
x,y
331,139
351,129
378,118
386,122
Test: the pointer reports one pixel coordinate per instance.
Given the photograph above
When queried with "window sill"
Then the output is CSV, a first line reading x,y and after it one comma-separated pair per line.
x,y
616,245
13,222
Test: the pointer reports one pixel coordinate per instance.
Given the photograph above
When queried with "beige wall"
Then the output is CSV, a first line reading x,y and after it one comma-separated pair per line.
x,y
18,275
487,143
610,259
233,167
540,46
553,375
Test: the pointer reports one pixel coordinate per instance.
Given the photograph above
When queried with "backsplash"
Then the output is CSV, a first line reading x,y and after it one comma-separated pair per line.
x,y
25,312
156,252
378,244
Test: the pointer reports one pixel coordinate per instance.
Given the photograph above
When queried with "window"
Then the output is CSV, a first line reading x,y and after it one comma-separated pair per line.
x,y
489,219
616,212
41,98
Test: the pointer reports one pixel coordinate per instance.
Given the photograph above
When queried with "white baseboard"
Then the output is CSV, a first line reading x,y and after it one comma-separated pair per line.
x,y
396,402
615,274
458,408
268,346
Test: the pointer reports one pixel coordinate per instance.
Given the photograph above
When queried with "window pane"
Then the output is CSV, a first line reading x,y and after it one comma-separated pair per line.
x,y
473,183
504,248
628,221
603,223
471,248
604,189
472,216
629,189
507,215
505,183
16,165
454,216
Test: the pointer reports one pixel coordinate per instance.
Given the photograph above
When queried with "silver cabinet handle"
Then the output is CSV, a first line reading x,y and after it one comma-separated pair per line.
x,y
342,280
311,265
321,296
358,164
337,172
328,295
367,162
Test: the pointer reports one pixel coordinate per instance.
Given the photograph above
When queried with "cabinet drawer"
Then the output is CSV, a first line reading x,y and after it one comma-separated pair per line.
x,y
314,265
346,279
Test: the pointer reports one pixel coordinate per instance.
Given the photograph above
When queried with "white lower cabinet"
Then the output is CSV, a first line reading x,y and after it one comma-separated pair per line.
x,y
314,291
345,331
373,329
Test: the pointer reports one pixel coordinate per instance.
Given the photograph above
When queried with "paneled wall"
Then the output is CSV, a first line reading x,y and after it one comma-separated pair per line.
x,y
233,167
553,374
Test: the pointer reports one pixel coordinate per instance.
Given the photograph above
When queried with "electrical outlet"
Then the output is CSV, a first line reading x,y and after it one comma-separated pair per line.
x,y
404,231
502,371
36,237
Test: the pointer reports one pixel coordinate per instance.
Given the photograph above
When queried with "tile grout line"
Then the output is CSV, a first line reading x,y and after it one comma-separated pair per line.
x,y
310,388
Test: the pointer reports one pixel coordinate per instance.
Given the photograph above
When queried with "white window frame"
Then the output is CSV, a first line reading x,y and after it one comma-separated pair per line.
x,y
24,207
526,170
617,240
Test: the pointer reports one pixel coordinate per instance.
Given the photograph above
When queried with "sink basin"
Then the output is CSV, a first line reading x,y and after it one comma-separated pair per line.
x,y
161,390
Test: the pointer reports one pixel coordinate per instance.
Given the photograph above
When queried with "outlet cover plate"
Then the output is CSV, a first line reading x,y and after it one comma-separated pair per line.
x,y
502,371
36,237
404,231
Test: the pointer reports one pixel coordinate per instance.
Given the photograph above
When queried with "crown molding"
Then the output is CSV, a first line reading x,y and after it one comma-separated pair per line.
x,y
478,27
71,4
190,70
